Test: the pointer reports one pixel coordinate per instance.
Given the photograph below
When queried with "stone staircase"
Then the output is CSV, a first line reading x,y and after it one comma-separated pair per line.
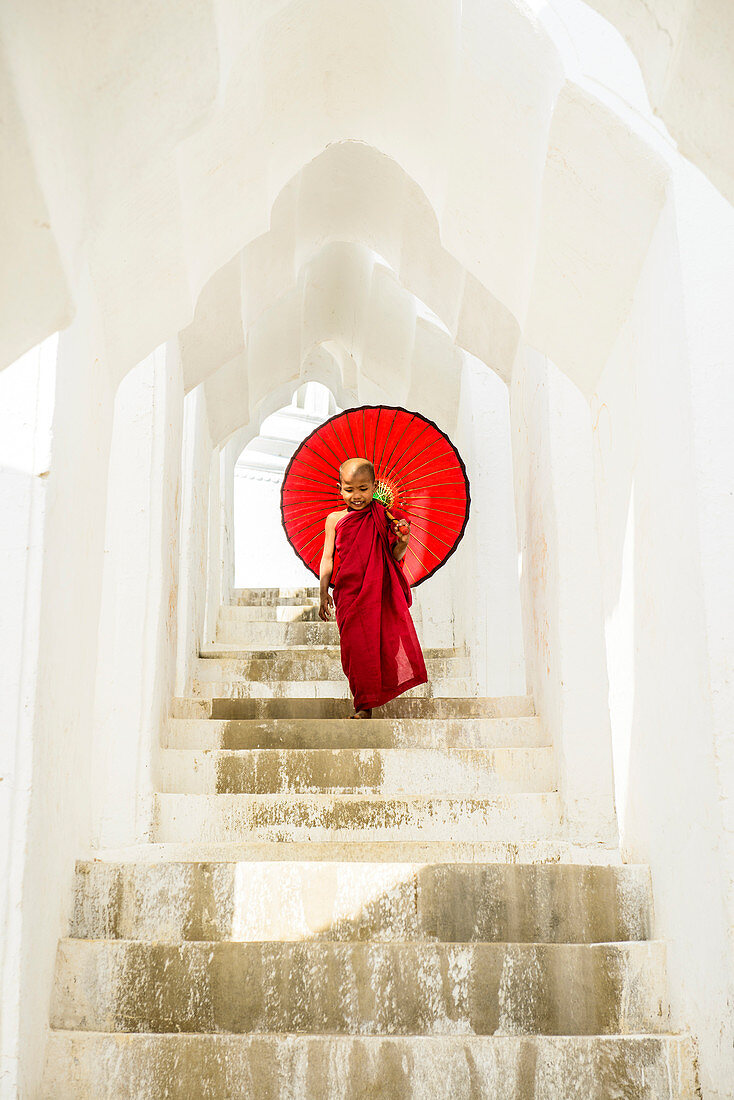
x,y
342,910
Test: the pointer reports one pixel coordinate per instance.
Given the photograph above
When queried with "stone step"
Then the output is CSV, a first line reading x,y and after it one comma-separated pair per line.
x,y
438,708
343,733
319,665
464,772
306,652
345,1067
306,611
537,850
286,613
297,900
262,635
238,817
453,687
271,597
354,988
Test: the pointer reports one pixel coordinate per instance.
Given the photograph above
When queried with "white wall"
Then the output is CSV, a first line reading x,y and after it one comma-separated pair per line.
x,y
57,635
197,456
263,556
137,622
664,457
561,588
484,568
27,392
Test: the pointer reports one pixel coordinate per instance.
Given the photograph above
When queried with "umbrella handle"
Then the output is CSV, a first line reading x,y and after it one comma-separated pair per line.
x,y
402,522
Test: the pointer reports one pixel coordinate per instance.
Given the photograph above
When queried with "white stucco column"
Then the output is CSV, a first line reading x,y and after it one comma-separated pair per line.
x,y
484,569
196,458
561,587
56,486
663,417
137,621
27,390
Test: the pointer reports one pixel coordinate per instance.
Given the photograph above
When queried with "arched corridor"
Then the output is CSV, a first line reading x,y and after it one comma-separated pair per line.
x,y
224,223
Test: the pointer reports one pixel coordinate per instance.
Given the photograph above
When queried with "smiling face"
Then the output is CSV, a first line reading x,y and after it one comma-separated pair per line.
x,y
357,483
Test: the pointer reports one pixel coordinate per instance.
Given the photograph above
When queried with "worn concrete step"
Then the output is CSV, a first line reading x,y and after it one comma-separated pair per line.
x,y
262,635
305,652
312,900
465,772
404,707
303,611
536,850
232,817
306,611
344,1067
318,665
452,687
287,635
271,597
379,733
360,988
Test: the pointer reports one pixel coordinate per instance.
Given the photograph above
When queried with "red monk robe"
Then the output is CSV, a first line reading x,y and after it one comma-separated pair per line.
x,y
381,654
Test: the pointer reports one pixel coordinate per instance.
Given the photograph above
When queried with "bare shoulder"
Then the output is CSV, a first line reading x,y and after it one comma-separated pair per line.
x,y
333,518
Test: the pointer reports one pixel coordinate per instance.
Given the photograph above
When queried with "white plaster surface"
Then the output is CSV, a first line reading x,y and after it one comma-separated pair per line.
x,y
255,186
137,619
662,417
263,556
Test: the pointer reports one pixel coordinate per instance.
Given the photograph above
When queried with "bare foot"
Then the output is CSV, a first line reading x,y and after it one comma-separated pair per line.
x,y
361,714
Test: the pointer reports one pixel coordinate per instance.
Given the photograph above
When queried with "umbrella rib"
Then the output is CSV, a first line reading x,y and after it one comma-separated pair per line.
x,y
428,549
438,496
393,460
398,441
324,440
410,470
412,458
435,473
317,504
384,445
311,496
329,466
307,522
387,461
326,484
347,455
374,448
317,515
425,428
426,487
430,531
305,477
451,530
307,544
351,432
427,515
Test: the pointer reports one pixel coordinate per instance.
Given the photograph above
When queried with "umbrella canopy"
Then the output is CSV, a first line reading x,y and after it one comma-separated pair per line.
x,y
419,473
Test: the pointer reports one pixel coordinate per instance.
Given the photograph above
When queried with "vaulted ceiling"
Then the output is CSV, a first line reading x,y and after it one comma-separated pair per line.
x,y
356,186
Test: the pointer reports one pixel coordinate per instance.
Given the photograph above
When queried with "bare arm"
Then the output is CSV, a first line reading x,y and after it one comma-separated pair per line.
x,y
326,567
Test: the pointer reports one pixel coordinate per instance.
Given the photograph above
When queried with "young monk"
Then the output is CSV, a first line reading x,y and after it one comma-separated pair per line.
x,y
381,654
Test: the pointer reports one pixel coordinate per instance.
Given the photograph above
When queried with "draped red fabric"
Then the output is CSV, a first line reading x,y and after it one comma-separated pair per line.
x,y
381,654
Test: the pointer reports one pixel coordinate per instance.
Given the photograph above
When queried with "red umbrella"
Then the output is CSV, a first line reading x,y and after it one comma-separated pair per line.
x,y
419,475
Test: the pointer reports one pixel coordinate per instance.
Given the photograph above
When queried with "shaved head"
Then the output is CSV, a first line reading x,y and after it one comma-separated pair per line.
x,y
355,468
